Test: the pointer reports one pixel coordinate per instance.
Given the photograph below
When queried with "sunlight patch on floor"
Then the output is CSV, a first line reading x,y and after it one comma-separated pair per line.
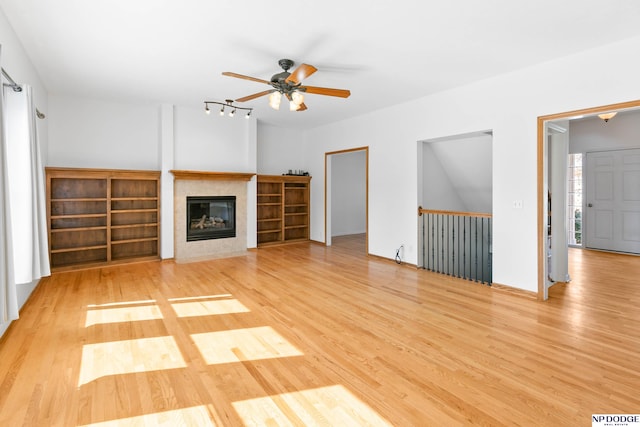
x,y
209,308
195,416
331,406
200,297
243,344
121,303
122,314
129,356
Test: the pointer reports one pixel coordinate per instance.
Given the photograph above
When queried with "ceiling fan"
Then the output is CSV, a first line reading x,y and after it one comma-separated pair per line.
x,y
289,85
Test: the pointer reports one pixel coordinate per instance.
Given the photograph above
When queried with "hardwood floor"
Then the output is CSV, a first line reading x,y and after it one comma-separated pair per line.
x,y
307,335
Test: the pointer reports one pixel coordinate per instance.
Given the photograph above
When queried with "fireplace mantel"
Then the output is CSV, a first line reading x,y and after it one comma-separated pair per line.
x,y
214,176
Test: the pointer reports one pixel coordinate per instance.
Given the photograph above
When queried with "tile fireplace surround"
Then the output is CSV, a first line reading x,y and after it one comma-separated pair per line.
x,y
196,183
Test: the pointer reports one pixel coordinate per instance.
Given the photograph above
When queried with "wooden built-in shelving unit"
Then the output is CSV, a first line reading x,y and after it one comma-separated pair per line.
x,y
101,216
283,208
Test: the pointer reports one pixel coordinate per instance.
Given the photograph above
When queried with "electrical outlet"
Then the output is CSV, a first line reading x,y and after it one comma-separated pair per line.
x,y
517,204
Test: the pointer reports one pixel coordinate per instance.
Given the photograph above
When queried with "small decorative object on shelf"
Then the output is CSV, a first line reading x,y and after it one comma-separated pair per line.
x,y
296,172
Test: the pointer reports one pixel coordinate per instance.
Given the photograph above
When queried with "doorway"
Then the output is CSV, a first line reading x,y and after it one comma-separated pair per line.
x,y
544,157
455,183
347,194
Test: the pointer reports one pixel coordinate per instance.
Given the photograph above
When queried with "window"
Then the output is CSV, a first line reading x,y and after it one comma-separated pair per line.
x,y
574,211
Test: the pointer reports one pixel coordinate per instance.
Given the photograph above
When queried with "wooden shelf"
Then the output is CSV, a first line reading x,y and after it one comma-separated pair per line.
x,y
283,209
78,248
113,211
118,242
117,227
78,216
99,216
117,199
82,199
69,230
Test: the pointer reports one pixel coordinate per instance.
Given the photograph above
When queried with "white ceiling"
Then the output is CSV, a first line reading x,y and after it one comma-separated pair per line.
x,y
385,52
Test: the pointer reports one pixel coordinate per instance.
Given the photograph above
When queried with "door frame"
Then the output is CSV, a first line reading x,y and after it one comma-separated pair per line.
x,y
542,190
327,190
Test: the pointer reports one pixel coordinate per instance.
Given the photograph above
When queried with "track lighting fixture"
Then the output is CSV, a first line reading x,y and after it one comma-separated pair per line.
x,y
227,103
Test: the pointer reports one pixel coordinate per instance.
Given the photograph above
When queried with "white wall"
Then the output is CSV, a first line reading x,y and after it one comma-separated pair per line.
x,y
280,150
467,163
349,193
438,192
508,104
211,142
91,133
593,134
15,61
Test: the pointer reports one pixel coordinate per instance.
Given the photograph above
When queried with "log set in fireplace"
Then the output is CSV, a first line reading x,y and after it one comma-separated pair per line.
x,y
211,217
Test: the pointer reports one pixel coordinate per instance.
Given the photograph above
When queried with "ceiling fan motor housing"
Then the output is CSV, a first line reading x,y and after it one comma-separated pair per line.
x,y
279,78
285,64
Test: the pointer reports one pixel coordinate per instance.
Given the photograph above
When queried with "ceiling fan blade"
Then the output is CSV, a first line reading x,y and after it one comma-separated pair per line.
x,y
301,73
302,107
240,76
255,95
342,93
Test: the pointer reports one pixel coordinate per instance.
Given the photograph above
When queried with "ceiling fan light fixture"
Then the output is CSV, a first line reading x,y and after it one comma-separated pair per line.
x,y
297,98
607,116
293,106
274,100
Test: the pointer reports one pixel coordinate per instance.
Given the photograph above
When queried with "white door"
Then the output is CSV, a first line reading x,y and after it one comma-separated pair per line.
x,y
613,201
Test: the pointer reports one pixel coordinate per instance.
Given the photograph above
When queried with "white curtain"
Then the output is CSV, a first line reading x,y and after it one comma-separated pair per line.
x,y
40,241
26,184
8,292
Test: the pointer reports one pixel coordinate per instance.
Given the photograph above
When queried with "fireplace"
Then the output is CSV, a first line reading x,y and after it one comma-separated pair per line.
x,y
211,217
